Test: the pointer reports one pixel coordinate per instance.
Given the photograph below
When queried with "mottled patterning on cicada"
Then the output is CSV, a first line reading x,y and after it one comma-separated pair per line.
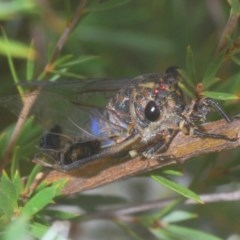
x,y
151,108
154,108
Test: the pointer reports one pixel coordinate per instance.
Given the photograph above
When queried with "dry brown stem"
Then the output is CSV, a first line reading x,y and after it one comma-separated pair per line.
x,y
229,29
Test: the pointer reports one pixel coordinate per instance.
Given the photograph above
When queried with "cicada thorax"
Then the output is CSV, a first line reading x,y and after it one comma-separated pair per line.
x,y
148,107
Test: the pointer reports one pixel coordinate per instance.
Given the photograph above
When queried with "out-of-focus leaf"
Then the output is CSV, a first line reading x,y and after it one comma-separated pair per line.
x,y
9,9
236,60
235,4
127,39
64,74
16,49
38,230
93,201
177,188
29,131
5,205
9,193
63,59
133,234
231,84
213,81
78,60
57,231
27,141
61,65
186,83
8,188
176,232
15,162
148,220
178,216
190,65
32,176
3,142
41,199
6,47
18,229
109,4
63,215
173,172
209,77
220,95
30,66
17,181
169,208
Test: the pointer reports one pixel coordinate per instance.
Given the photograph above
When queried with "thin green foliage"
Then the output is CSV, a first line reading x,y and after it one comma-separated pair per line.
x,y
172,172
178,216
171,232
18,228
30,65
131,233
103,6
220,95
9,194
184,191
32,176
38,230
68,9
235,6
209,77
191,67
11,65
63,215
41,199
9,9
15,162
76,61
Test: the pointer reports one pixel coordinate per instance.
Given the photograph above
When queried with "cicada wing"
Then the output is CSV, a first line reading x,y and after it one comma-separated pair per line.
x,y
72,104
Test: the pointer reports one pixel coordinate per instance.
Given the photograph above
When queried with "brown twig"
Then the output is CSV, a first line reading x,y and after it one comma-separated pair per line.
x,y
72,24
228,30
104,171
28,102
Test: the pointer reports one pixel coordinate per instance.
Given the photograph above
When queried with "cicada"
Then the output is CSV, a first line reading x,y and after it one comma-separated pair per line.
x,y
140,117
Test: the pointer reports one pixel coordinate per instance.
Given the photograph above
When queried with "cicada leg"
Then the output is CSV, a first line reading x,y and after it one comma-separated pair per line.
x,y
202,134
213,104
210,103
155,150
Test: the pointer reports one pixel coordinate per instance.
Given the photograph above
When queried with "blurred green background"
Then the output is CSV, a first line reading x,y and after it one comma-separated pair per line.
x,y
130,39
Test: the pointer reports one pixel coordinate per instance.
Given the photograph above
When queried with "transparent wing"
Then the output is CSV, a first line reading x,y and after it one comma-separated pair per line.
x,y
71,104
73,114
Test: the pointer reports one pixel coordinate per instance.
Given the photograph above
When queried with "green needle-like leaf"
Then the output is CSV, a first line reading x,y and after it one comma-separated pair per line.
x,y
41,199
177,188
220,95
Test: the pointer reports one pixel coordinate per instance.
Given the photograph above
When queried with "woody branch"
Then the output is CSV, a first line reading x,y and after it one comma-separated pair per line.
x,y
105,171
